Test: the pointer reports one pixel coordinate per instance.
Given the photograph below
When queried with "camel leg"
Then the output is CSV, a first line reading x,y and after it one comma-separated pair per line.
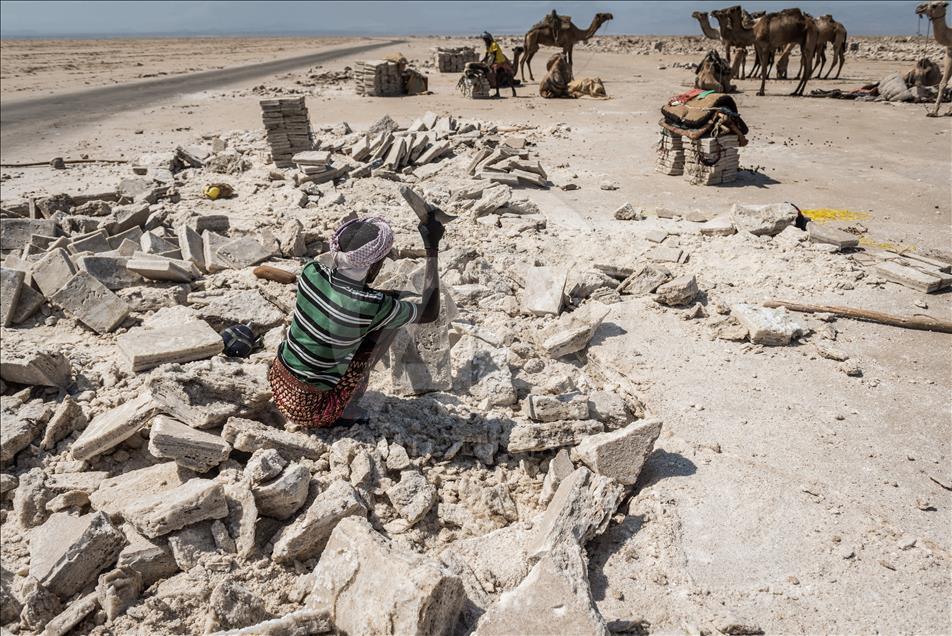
x,y
528,62
942,84
821,56
763,50
569,55
842,59
806,52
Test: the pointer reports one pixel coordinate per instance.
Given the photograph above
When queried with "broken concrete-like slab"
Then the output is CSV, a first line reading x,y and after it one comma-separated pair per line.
x,y
528,437
67,552
115,493
369,586
620,454
111,271
188,447
763,220
250,435
53,271
242,252
544,290
580,510
766,326
680,291
114,426
195,500
91,303
551,408
306,536
35,366
147,348
573,331
11,280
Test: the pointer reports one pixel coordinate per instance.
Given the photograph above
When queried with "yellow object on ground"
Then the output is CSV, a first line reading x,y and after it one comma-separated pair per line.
x,y
898,248
212,192
824,215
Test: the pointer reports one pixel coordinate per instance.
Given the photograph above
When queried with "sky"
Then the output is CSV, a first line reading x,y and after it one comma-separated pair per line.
x,y
280,17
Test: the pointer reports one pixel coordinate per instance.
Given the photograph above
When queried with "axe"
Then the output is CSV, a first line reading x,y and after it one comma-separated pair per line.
x,y
423,209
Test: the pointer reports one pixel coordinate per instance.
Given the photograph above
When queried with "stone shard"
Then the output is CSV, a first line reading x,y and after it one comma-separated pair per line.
x,y
242,518
117,591
28,304
554,598
551,408
91,303
67,552
264,465
29,499
188,447
11,280
620,454
644,280
248,307
211,241
15,233
184,342
194,501
528,437
560,467
413,496
766,326
573,331
130,216
296,623
152,559
114,426
191,244
909,277
161,269
35,367
368,586
116,493
283,496
64,622
53,271
68,417
761,220
680,291
544,290
306,536
250,435
580,510
718,226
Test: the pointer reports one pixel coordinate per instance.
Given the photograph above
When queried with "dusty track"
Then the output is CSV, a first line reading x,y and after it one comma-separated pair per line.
x,y
23,119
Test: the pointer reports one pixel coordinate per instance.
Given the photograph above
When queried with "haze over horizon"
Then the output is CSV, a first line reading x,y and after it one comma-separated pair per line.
x,y
61,19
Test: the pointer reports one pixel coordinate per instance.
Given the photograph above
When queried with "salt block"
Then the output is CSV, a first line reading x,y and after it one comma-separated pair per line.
x,y
191,340
620,454
91,303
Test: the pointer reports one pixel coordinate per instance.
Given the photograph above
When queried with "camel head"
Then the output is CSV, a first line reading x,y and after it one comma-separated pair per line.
x,y
602,18
699,15
932,9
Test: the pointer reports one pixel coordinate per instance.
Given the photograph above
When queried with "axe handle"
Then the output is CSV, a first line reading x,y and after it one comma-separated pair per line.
x,y
275,274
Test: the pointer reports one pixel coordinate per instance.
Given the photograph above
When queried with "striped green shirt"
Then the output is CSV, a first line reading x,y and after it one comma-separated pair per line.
x,y
332,316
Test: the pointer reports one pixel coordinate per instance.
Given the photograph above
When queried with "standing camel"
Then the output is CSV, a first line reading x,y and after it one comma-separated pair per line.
x,y
777,30
935,11
569,36
832,32
709,32
735,34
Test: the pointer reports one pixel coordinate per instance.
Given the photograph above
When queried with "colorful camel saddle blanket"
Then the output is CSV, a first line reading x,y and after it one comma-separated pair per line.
x,y
697,109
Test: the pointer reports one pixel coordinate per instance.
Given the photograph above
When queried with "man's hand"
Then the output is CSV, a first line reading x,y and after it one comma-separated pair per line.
x,y
432,233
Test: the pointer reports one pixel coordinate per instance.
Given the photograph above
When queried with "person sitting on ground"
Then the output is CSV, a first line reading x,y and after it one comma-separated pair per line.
x,y
341,326
499,65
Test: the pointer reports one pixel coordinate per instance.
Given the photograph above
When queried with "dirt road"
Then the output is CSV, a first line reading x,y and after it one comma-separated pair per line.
x,y
23,119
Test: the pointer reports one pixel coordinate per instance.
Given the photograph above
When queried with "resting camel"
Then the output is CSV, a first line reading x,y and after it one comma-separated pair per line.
x,y
558,74
569,36
706,28
713,74
832,32
935,11
776,30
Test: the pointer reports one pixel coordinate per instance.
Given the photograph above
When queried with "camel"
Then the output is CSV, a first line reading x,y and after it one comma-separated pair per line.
x,y
557,77
777,30
832,32
713,74
924,73
935,11
734,35
569,36
706,28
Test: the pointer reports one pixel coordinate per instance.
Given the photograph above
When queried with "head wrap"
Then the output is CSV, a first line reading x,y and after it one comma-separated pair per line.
x,y
366,255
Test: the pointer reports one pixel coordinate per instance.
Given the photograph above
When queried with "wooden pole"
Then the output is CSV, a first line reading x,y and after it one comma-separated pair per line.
x,y
275,274
924,323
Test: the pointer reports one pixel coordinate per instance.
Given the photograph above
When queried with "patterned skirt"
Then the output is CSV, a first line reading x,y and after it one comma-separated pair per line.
x,y
310,407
